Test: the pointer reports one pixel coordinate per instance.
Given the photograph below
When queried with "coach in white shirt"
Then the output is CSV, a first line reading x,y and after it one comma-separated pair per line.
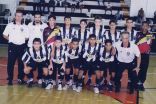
x,y
126,52
36,29
16,33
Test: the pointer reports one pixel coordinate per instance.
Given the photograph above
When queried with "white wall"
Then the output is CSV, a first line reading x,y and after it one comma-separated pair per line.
x,y
149,7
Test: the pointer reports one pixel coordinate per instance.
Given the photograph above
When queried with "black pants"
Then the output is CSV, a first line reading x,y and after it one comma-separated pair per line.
x,y
15,52
132,74
143,67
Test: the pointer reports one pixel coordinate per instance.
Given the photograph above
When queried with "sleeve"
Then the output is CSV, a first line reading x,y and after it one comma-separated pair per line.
x,y
26,32
85,50
26,57
7,30
136,51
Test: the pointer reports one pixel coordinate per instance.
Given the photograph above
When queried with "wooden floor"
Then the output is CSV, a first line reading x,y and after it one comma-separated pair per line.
x,y
23,95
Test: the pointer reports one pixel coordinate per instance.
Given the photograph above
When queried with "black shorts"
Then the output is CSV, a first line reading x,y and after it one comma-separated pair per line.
x,y
57,66
90,66
103,66
34,64
73,63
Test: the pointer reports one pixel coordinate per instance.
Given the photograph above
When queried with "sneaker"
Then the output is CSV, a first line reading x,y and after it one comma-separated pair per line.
x,y
96,90
70,83
40,81
30,83
20,81
141,87
49,86
74,87
59,87
79,89
54,82
66,87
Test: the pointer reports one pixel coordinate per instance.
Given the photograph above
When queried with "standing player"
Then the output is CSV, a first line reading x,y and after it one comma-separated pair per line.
x,y
73,61
57,62
106,63
37,55
112,33
98,29
16,33
90,56
36,31
144,39
126,53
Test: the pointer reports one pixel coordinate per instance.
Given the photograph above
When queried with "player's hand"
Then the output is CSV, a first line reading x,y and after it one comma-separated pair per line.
x,y
137,69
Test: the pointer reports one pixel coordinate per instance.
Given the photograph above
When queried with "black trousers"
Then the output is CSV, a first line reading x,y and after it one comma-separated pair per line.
x,y
15,52
143,67
132,74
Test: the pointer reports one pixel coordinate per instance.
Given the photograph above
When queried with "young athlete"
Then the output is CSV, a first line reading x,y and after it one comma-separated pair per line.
x,y
106,63
90,56
73,62
37,55
57,62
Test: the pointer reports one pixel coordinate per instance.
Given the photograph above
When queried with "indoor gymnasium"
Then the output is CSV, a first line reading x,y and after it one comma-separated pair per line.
x,y
77,51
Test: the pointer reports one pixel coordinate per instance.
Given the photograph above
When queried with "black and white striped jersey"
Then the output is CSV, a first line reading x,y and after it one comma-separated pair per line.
x,y
91,53
59,55
38,56
73,54
106,56
114,37
99,33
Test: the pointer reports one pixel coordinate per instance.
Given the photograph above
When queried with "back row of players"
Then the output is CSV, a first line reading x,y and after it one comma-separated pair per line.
x,y
65,55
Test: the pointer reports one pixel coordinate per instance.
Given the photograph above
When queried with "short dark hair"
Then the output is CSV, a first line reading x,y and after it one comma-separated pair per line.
x,y
92,36
129,18
98,17
37,13
52,16
145,22
58,38
67,17
112,21
83,20
125,32
19,11
37,40
75,40
108,41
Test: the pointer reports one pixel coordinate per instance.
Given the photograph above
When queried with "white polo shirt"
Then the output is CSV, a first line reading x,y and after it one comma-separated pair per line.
x,y
127,55
35,31
17,33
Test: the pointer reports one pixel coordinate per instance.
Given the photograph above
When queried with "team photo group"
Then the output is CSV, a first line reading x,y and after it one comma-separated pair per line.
x,y
67,57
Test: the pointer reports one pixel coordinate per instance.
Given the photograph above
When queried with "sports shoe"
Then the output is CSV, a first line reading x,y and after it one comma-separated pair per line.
x,y
30,83
79,89
40,81
70,83
20,81
59,87
74,87
10,83
66,87
96,90
49,86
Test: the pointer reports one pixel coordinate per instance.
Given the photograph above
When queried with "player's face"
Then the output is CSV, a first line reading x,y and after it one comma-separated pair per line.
x,y
58,43
92,41
129,23
112,26
37,18
67,21
19,17
98,22
37,45
125,38
83,25
145,27
75,45
52,21
108,46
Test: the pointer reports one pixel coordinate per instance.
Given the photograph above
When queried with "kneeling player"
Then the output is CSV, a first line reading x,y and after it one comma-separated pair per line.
x,y
106,63
73,61
90,56
35,56
57,62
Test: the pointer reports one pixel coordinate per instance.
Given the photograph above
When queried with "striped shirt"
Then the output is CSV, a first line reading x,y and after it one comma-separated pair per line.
x,y
91,53
38,56
73,54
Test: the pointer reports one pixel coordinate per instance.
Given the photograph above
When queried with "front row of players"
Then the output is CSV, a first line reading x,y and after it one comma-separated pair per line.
x,y
68,67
